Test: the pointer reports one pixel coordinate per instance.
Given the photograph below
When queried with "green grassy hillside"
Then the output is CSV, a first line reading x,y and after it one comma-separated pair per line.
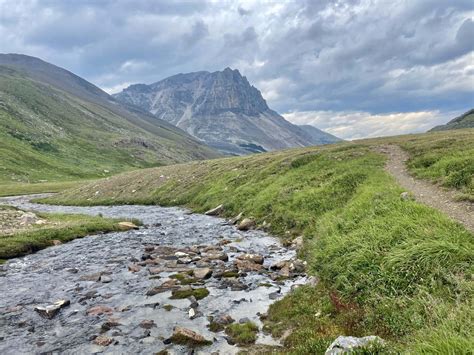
x,y
466,120
387,266
47,133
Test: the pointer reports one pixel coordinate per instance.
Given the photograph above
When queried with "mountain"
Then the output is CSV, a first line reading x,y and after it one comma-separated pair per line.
x,y
319,136
221,108
56,125
466,120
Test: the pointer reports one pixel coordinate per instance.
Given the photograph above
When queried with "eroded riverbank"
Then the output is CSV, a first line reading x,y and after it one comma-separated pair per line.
x,y
114,283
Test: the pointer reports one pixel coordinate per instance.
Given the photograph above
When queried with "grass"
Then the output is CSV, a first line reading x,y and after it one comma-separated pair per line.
x,y
242,334
61,227
49,134
184,279
387,266
446,158
198,293
13,189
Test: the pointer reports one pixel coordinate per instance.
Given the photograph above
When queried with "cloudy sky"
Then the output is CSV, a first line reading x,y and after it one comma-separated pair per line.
x,y
354,68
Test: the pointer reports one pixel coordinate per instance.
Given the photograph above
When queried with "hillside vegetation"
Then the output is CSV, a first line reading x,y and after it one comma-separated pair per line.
x,y
52,131
445,158
387,266
466,120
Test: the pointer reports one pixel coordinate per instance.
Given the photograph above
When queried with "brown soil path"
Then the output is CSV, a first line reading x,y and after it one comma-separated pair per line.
x,y
426,192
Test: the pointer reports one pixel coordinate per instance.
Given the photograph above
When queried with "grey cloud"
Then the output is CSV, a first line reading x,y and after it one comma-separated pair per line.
x,y
368,56
243,12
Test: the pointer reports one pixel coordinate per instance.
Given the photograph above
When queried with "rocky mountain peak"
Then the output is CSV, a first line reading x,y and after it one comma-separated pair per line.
x,y
221,108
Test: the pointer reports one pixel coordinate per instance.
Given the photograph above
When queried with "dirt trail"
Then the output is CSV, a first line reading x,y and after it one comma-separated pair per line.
x,y
426,192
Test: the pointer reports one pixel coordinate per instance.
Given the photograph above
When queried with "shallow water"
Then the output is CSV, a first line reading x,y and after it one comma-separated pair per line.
x,y
55,273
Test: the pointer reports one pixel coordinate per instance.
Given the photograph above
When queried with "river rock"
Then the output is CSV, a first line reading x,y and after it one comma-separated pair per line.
x,y
202,273
189,337
255,258
103,340
165,286
246,265
194,302
215,211
246,224
109,324
236,218
224,319
147,324
346,344
56,242
91,277
134,268
105,279
99,310
180,254
51,311
216,256
127,225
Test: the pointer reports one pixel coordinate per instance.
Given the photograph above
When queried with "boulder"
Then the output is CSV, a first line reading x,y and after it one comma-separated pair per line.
x,y
188,337
127,226
255,258
56,242
180,254
347,344
215,211
202,273
246,224
216,256
236,218
51,311
246,265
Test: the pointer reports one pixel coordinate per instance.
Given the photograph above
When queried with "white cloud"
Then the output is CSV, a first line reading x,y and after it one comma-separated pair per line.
x,y
355,125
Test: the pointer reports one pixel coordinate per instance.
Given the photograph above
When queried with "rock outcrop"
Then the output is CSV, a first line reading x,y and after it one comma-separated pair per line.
x,y
222,109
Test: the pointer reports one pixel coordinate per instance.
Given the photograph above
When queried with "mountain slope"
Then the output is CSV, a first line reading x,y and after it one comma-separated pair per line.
x,y
319,136
466,120
55,125
220,108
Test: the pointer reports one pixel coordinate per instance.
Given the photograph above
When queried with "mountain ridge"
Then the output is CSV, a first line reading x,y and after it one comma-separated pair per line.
x,y
466,120
221,108
56,125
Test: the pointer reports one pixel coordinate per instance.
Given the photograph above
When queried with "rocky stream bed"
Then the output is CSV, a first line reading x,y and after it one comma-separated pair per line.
x,y
129,292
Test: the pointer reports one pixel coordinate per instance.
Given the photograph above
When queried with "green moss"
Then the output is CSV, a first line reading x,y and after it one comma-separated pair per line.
x,y
184,279
230,274
183,340
215,327
199,293
242,334
168,307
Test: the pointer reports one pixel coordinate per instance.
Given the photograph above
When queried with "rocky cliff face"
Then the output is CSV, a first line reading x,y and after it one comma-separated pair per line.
x,y
221,108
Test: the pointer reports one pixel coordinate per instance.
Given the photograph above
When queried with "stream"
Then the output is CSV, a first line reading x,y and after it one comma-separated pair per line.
x,y
107,279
